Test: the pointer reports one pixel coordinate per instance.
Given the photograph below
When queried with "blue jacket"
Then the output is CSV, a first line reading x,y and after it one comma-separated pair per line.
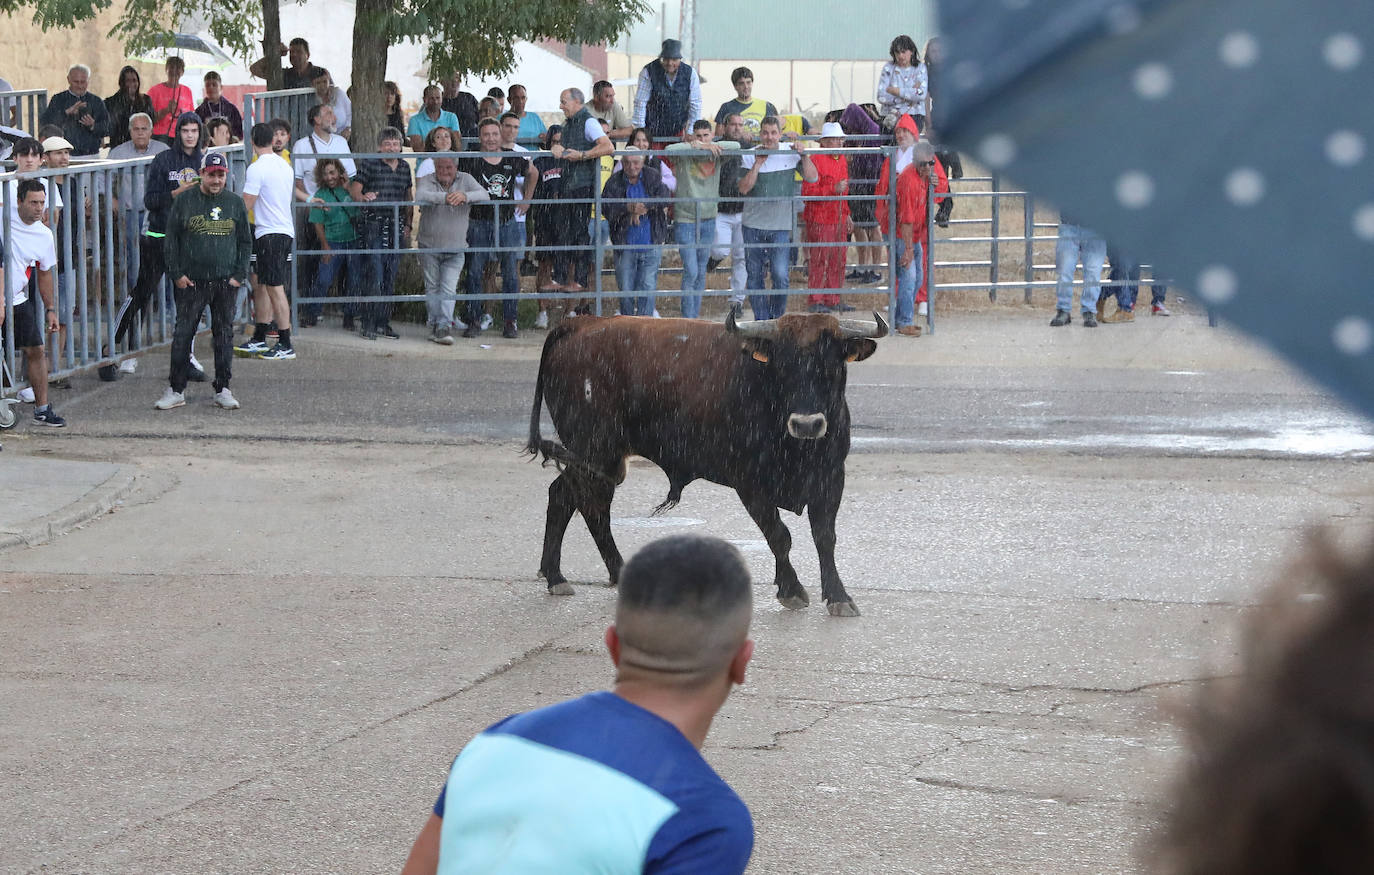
x,y
618,215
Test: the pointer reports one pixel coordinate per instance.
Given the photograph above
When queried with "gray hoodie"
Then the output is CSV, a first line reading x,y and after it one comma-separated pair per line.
x,y
443,226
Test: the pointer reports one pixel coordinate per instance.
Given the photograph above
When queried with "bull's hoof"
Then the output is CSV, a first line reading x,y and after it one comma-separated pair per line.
x,y
563,588
843,609
794,602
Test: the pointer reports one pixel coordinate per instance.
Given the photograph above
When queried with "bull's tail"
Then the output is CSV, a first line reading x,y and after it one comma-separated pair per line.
x,y
550,452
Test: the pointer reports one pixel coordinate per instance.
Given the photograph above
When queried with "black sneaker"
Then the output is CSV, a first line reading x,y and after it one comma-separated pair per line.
x,y
528,268
510,332
367,332
347,322
388,332
713,263
279,353
472,330
855,276
737,310
1061,317
47,416
1089,319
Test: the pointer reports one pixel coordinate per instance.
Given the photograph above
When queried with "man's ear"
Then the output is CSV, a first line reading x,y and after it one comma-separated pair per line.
x,y
613,644
757,348
741,660
856,349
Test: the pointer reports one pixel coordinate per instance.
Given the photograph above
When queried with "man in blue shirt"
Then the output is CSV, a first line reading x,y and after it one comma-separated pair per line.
x,y
614,781
431,116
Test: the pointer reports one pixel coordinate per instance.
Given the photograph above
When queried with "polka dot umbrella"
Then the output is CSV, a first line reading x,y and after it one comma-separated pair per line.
x,y
1224,141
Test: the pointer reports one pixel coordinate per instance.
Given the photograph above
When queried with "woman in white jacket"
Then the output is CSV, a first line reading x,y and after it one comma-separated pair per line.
x,y
902,85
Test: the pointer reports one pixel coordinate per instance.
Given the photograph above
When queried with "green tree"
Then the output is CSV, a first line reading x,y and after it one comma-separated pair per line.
x,y
466,36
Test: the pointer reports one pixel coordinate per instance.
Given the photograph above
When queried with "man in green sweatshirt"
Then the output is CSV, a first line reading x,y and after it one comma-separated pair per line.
x,y
207,247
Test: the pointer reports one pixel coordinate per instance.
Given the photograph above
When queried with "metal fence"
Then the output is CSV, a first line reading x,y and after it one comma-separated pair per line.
x,y
292,104
21,109
97,232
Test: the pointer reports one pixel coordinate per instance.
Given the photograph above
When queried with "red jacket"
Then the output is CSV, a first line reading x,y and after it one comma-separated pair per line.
x,y
915,187
831,169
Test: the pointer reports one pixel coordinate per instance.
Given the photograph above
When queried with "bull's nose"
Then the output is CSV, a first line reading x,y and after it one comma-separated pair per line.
x,y
806,426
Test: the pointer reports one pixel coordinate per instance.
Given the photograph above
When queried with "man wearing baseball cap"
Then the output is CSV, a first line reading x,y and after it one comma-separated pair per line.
x,y
206,249
669,94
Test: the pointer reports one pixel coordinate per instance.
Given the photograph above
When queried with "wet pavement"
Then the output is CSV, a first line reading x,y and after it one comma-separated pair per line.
x,y
264,655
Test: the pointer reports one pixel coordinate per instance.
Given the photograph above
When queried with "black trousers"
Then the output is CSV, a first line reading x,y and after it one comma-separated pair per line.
x,y
191,302
569,223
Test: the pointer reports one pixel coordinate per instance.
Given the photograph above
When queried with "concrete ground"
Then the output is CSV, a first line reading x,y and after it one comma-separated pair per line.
x,y
254,641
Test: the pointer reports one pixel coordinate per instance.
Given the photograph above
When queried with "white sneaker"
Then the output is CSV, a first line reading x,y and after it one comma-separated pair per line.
x,y
922,309
486,321
26,394
224,398
459,325
656,316
542,320
170,398
128,366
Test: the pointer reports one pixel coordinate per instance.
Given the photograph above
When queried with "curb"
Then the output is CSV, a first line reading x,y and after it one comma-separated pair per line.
x,y
98,501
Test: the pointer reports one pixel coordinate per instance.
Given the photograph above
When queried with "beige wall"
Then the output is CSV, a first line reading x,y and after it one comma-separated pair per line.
x,y
32,58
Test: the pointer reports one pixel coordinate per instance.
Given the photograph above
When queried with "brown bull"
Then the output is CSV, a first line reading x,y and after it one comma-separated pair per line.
x,y
757,406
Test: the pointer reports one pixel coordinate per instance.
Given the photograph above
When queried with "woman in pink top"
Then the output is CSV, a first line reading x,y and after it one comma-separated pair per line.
x,y
170,99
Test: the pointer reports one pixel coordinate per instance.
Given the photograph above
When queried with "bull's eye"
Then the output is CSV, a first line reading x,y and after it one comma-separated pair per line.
x,y
760,356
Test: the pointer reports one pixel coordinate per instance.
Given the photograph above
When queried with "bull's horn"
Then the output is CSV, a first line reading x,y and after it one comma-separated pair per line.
x,y
860,328
752,328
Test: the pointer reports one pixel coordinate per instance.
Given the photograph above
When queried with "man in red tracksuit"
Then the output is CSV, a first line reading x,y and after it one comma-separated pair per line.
x,y
828,222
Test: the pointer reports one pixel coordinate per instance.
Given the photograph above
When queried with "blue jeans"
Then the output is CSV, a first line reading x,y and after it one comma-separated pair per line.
x,y
341,258
636,270
481,233
1077,243
694,242
1124,268
908,281
775,249
379,272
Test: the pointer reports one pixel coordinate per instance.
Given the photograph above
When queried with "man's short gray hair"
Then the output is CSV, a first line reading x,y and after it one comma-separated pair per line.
x,y
576,94
82,67
389,133
140,115
923,150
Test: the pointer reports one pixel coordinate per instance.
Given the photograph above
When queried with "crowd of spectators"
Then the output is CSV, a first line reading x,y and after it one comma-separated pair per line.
x,y
741,184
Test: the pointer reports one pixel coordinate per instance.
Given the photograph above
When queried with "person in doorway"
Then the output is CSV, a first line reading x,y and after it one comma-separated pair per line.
x,y
680,643
32,256
208,245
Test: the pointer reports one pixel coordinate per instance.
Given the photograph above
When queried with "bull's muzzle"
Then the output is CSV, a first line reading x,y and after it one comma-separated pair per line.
x,y
807,426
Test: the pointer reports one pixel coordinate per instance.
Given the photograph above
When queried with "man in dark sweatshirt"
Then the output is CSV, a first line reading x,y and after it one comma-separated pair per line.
x,y
207,245
171,173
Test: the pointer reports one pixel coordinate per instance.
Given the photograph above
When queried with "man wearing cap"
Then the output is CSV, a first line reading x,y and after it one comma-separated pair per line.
x,y
82,116
828,222
170,175
207,247
669,94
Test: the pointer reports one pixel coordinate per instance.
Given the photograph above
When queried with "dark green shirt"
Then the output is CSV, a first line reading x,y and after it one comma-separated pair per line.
x,y
208,237
337,222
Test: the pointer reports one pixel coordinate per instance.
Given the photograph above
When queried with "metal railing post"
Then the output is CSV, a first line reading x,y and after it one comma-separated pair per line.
x,y
598,248
996,233
928,256
1030,244
893,225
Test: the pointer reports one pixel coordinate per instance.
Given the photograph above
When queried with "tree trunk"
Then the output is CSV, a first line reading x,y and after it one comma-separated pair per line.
x,y
271,44
371,40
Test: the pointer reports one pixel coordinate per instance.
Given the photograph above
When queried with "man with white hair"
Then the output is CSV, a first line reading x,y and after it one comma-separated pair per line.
x,y
82,116
132,184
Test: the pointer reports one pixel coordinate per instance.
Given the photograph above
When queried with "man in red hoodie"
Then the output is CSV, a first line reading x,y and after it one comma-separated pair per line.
x,y
914,164
828,222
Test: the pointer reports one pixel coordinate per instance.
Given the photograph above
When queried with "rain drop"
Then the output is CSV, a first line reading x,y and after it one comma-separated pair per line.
x,y
997,151
1353,335
1122,19
1239,49
1343,51
1135,189
1153,81
1364,222
966,75
1345,148
1244,187
1217,284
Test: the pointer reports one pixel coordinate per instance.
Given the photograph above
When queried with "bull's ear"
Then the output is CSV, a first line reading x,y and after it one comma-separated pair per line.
x,y
759,349
856,349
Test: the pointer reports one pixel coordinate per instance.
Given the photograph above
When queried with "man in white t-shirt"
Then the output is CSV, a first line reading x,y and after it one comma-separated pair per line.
x,y
32,257
268,190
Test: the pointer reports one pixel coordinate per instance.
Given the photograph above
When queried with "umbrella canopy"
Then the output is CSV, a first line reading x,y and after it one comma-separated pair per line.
x,y
198,50
1224,141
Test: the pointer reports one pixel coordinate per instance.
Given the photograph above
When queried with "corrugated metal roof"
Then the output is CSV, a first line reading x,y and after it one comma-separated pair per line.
x,y
784,30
